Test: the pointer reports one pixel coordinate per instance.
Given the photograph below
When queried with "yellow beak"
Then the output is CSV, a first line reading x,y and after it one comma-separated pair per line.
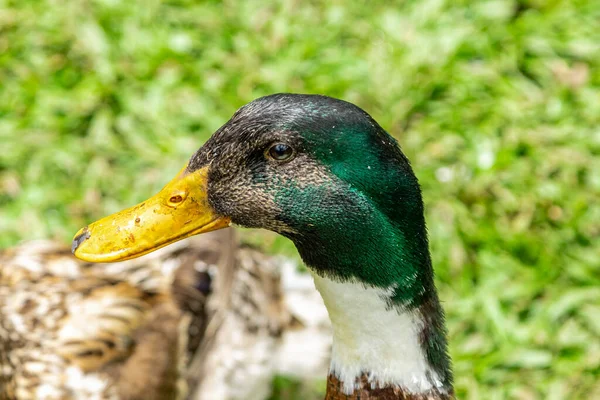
x,y
178,211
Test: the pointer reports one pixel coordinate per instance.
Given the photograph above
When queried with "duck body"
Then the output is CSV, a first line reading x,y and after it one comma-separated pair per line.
x,y
323,173
135,330
71,330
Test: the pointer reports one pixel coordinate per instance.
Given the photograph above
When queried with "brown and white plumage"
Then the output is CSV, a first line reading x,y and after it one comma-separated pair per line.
x,y
173,324
69,327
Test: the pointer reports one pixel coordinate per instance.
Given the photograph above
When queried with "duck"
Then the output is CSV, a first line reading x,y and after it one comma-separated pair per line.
x,y
323,173
163,326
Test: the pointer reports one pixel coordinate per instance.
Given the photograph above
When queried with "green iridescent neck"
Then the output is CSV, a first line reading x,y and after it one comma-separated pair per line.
x,y
366,225
365,222
365,246
368,249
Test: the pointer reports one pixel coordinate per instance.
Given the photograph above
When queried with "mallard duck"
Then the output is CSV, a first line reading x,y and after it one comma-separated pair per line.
x,y
165,326
323,173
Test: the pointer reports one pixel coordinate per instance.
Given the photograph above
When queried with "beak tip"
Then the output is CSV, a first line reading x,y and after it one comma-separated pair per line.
x,y
80,237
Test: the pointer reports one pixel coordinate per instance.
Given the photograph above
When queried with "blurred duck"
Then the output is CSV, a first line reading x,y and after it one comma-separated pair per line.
x,y
194,320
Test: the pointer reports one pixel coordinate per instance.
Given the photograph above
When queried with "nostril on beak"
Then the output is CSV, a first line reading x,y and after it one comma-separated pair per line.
x,y
80,238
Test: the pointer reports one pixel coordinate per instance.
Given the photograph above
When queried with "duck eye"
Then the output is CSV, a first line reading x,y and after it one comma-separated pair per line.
x,y
280,152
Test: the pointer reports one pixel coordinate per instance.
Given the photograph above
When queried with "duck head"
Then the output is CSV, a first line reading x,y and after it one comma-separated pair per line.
x,y
318,170
323,173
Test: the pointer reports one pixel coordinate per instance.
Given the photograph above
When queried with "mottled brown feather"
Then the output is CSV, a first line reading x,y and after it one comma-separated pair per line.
x,y
366,392
149,374
129,330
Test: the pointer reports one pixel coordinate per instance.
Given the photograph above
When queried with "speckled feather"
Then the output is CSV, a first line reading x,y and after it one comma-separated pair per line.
x,y
130,330
367,392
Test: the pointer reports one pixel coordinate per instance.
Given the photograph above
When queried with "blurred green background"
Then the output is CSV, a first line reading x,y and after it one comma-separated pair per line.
x,y
497,104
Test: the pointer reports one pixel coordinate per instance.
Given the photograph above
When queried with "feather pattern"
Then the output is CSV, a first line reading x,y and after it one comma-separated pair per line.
x,y
164,326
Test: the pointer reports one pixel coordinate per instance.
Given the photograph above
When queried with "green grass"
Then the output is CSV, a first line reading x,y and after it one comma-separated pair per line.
x,y
497,104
